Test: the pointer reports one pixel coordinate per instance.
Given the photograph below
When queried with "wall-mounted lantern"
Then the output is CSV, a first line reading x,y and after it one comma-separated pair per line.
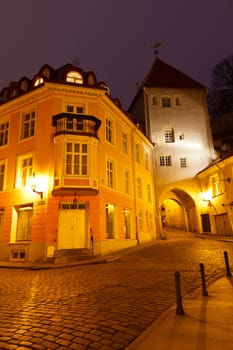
x,y
206,197
36,186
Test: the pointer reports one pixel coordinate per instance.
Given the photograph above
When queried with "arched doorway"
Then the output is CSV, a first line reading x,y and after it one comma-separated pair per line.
x,y
178,211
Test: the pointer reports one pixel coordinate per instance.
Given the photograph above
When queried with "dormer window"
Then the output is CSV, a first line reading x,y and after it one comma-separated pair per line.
x,y
74,77
38,81
24,85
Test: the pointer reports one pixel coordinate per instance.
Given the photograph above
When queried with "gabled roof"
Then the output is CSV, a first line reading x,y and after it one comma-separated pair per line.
x,y
162,74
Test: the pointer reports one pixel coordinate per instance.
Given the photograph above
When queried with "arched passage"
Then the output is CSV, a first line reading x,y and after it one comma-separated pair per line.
x,y
178,210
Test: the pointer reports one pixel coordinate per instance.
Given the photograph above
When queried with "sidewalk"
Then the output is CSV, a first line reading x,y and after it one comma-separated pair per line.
x,y
207,323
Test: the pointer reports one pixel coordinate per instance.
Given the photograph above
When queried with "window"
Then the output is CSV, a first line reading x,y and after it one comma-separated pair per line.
x,y
183,163
110,174
140,220
137,153
110,220
24,85
216,188
75,108
148,189
109,130
177,101
165,161
139,187
74,77
24,225
1,222
154,100
38,81
76,159
150,221
4,130
169,136
166,101
2,174
24,171
127,223
126,176
181,136
146,161
28,125
124,143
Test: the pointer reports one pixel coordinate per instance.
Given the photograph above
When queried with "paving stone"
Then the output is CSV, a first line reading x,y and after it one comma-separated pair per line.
x,y
107,304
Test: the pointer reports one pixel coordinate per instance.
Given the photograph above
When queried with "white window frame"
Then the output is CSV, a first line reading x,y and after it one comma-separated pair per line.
x,y
2,174
127,181
110,217
169,136
28,124
127,223
76,159
147,158
125,143
1,222
38,81
24,224
165,160
137,152
110,173
75,108
74,77
139,188
109,130
24,170
148,190
4,132
166,101
140,220
183,162
216,185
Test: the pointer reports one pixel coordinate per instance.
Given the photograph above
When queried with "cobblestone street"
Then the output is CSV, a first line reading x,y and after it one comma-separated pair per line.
x,y
103,306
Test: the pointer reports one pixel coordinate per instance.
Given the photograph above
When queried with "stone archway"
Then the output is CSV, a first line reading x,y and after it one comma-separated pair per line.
x,y
178,211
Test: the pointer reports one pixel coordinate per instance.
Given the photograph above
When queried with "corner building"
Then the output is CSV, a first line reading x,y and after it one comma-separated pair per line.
x,y
75,170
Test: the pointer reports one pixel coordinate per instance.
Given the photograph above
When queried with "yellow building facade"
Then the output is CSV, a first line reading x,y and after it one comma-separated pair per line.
x,y
76,172
216,197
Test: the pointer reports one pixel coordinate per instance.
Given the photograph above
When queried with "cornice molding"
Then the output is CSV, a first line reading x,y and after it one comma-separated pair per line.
x,y
21,101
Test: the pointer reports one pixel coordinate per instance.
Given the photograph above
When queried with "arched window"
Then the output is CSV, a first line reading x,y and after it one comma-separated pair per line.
x,y
91,79
38,81
46,72
74,77
24,85
5,95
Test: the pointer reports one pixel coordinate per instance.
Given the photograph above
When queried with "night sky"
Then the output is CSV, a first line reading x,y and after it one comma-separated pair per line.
x,y
113,38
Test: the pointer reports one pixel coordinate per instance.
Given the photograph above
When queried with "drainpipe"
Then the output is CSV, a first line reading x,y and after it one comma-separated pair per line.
x,y
134,184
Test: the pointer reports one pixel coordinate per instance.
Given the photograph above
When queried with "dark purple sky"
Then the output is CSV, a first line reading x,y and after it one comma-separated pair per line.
x,y
114,38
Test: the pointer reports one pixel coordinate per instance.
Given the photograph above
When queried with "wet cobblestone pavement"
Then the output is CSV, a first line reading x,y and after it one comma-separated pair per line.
x,y
103,306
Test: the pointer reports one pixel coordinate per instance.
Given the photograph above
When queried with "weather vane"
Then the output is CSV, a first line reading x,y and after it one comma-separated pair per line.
x,y
155,47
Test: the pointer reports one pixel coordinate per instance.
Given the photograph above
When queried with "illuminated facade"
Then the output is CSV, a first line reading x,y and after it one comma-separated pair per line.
x,y
75,169
216,196
171,109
